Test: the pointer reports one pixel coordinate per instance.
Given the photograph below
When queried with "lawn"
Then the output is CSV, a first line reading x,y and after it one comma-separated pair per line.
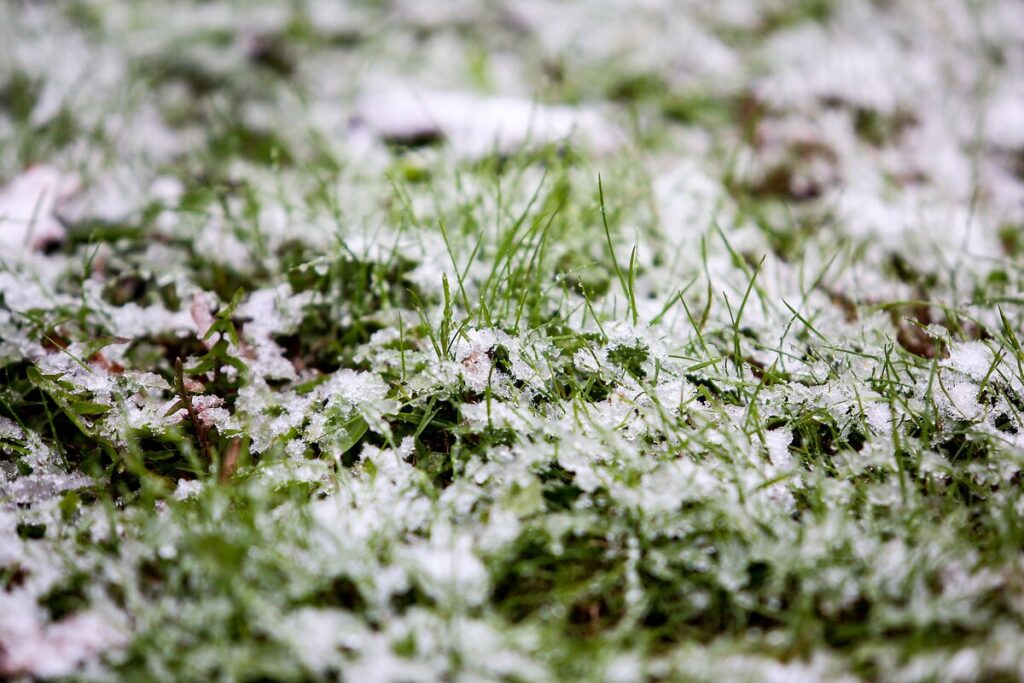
x,y
395,341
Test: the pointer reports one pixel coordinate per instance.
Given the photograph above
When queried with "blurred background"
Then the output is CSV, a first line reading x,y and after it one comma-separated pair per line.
x,y
881,111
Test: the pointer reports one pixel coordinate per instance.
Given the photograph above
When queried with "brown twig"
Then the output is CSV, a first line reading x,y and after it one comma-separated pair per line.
x,y
230,462
186,398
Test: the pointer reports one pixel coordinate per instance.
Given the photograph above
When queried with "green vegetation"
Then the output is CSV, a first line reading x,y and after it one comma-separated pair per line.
x,y
725,382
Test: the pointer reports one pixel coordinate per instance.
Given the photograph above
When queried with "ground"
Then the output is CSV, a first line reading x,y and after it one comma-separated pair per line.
x,y
512,341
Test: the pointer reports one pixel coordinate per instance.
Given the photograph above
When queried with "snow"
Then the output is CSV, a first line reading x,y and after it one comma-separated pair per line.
x,y
1003,124
447,567
777,442
973,359
29,645
28,208
474,125
868,160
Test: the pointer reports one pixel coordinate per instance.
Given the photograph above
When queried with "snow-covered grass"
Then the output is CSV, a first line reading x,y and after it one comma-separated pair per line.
x,y
512,341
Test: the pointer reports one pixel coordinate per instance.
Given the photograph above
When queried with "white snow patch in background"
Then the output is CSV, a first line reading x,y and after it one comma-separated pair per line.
x,y
476,125
27,208
1005,115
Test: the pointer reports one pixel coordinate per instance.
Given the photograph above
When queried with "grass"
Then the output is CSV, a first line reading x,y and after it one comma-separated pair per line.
x,y
282,408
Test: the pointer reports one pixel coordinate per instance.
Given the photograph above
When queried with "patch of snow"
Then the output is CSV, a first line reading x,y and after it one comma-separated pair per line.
x,y
974,359
476,125
447,567
30,646
28,205
188,488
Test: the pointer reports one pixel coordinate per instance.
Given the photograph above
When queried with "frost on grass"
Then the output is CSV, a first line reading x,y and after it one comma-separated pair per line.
x,y
588,352
31,646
